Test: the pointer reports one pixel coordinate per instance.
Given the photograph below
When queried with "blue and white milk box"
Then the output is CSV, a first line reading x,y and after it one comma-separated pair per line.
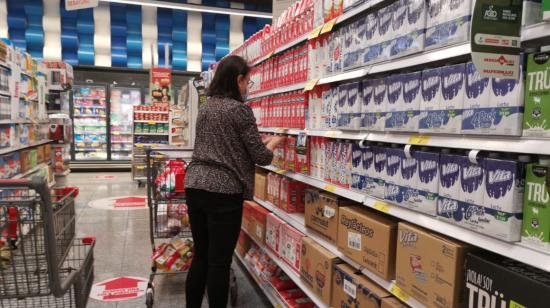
x,y
431,117
427,182
401,40
447,23
409,178
356,167
334,107
416,16
372,42
367,106
360,41
378,117
343,115
449,174
375,185
507,98
412,97
348,50
369,173
355,98
472,181
452,92
477,117
392,189
505,183
385,30
395,118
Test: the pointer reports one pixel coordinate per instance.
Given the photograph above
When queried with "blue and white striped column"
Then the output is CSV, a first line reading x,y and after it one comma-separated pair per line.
x,y
3,19
194,39
133,39
102,35
236,37
179,40
164,40
51,23
34,33
69,35
149,31
85,30
17,23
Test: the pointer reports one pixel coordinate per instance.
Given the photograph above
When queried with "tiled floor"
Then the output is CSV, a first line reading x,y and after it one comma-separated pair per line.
x,y
123,246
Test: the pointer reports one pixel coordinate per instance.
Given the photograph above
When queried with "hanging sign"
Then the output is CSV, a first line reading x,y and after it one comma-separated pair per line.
x,y
161,86
71,5
496,38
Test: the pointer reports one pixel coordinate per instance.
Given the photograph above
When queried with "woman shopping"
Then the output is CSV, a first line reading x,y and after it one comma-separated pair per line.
x,y
219,177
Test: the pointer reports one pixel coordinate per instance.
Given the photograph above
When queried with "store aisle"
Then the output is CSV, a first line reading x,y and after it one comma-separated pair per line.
x,y
123,247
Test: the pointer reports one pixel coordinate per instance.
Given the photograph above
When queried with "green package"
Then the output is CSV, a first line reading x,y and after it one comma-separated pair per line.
x,y
536,119
546,9
536,208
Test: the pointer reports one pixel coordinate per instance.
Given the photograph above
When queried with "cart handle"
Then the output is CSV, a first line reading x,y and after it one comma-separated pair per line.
x,y
15,183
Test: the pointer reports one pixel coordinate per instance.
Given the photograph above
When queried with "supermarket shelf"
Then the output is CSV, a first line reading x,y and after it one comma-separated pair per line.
x,y
90,133
121,133
154,112
28,121
294,87
30,171
150,134
350,194
150,121
512,250
5,93
356,73
535,32
297,221
64,173
130,141
21,147
266,288
89,116
89,98
89,150
121,150
291,273
97,107
279,130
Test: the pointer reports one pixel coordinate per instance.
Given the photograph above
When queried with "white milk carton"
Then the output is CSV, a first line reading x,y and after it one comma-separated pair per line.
x,y
360,42
395,118
334,107
505,183
400,26
416,16
431,117
342,111
372,47
349,51
472,181
449,174
379,175
412,97
393,191
344,164
448,23
367,106
507,101
477,88
385,30
380,104
427,181
355,98
356,167
409,179
452,92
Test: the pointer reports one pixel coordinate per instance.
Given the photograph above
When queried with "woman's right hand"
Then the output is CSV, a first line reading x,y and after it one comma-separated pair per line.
x,y
274,142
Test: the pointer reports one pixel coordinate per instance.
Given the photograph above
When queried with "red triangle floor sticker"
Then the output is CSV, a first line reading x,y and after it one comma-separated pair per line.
x,y
119,289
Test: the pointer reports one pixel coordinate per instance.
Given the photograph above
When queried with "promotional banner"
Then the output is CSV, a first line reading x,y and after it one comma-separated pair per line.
x,y
495,38
161,86
80,4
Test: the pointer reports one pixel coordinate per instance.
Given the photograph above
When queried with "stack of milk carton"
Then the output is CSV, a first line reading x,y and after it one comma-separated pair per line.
x,y
409,26
484,194
403,102
331,161
368,169
350,97
492,106
374,104
448,22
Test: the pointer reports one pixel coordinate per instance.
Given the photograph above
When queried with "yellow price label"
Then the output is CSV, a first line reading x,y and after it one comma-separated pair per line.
x,y
331,134
328,26
315,32
311,84
419,140
330,188
281,130
281,171
116,133
151,122
382,206
399,293
269,55
140,167
139,145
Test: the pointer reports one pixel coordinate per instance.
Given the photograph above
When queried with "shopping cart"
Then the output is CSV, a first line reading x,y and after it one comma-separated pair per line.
x,y
170,231
41,262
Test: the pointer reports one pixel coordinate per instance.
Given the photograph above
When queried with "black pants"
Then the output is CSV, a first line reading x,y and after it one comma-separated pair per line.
x,y
215,223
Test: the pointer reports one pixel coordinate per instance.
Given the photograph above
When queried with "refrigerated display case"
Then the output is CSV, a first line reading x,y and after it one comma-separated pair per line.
x,y
89,113
122,101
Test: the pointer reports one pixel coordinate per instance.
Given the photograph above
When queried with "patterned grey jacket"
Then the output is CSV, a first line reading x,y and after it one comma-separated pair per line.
x,y
227,147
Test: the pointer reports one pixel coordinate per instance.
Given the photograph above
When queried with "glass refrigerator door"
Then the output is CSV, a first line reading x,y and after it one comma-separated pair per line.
x,y
122,102
90,122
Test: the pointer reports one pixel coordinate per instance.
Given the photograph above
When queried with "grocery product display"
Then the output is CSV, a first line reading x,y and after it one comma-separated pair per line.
x,y
90,122
122,101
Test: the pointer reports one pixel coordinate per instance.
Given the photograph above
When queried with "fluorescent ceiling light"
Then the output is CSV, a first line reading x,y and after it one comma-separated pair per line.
x,y
194,8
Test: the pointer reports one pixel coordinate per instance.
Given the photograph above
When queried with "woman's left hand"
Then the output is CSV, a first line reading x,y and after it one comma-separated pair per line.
x,y
266,139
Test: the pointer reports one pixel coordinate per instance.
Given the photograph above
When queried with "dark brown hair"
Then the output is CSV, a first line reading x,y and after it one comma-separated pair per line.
x,y
224,83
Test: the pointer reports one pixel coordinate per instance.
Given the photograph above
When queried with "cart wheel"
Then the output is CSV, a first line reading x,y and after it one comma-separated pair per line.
x,y
150,298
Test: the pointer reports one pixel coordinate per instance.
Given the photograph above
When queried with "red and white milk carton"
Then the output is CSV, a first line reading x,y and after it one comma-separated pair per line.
x,y
292,247
273,233
290,196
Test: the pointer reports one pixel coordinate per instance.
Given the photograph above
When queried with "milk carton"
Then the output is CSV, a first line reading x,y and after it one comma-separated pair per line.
x,y
448,23
371,45
416,16
360,41
385,30
344,164
449,174
399,18
477,88
531,12
536,208
349,49
380,104
409,177
333,112
327,161
536,120
505,183
369,173
367,106
356,167
395,118
375,180
427,182
392,187
452,92
431,117
501,225
355,97
412,97
342,109
472,181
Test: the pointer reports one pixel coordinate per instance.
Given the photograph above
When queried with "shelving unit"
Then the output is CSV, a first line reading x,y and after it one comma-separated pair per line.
x,y
22,147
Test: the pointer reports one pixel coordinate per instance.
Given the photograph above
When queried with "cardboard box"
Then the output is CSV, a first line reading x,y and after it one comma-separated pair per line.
x,y
243,244
260,185
369,239
316,268
496,281
321,212
273,188
392,302
292,247
273,233
258,222
351,289
247,216
430,267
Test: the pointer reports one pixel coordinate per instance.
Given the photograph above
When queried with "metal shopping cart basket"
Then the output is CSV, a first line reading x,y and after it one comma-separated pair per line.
x,y
41,262
170,234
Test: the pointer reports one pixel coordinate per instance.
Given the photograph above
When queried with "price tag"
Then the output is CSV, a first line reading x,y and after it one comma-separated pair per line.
x,y
350,288
281,171
269,55
311,84
331,134
330,188
382,206
328,26
281,130
315,33
399,293
139,145
419,140
115,133
151,122
354,240
329,212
